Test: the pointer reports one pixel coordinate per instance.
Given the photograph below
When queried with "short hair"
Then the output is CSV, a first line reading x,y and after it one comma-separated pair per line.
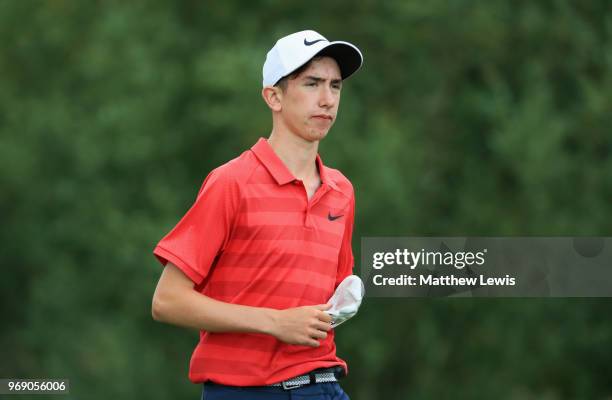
x,y
284,81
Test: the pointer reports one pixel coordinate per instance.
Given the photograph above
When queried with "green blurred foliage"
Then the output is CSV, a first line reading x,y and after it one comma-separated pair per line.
x,y
467,118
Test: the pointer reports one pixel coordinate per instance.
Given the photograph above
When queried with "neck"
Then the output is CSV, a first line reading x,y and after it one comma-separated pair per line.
x,y
297,154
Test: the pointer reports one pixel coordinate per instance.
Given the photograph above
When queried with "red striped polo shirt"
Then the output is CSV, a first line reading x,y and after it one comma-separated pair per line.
x,y
252,237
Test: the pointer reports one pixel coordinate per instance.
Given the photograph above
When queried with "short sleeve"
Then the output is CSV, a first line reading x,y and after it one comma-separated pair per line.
x,y
345,258
203,232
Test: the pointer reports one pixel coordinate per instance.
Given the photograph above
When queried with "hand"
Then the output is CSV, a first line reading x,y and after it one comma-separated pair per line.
x,y
302,325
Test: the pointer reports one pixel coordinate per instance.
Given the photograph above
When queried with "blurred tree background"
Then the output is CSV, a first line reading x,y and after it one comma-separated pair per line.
x,y
467,118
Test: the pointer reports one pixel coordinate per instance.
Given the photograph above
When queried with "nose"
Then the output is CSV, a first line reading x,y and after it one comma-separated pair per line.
x,y
327,98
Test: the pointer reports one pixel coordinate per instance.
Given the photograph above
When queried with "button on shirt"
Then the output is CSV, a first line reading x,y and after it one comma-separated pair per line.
x,y
252,237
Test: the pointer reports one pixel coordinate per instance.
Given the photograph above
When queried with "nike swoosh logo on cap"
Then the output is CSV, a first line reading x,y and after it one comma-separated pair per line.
x,y
307,43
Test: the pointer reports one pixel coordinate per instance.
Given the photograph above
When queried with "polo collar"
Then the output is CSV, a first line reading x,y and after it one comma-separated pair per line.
x,y
279,170
325,179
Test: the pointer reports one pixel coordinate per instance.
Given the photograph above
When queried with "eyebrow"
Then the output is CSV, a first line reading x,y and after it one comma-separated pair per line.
x,y
319,79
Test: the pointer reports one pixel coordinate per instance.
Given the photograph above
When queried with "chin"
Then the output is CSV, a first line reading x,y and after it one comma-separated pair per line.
x,y
314,136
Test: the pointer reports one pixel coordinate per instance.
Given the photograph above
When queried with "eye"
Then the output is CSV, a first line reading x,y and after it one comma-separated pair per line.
x,y
311,84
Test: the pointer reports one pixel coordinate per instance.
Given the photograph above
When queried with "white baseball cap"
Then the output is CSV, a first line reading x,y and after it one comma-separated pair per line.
x,y
292,51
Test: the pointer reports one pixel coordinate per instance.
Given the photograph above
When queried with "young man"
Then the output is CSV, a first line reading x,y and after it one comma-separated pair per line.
x,y
255,259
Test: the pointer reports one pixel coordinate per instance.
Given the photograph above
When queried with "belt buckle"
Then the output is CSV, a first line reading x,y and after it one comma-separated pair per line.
x,y
288,386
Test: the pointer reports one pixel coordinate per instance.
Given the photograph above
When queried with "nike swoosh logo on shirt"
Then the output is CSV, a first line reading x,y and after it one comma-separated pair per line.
x,y
333,217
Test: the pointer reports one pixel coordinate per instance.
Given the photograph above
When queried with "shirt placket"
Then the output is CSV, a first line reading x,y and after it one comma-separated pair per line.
x,y
310,204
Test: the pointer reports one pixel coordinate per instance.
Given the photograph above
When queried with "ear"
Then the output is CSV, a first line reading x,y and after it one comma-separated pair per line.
x,y
273,97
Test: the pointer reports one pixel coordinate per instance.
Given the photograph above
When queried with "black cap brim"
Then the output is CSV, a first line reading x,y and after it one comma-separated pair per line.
x,y
347,56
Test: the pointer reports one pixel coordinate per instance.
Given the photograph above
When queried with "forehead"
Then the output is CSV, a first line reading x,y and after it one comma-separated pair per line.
x,y
323,67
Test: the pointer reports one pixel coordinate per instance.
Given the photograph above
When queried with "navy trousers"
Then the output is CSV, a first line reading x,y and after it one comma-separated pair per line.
x,y
317,391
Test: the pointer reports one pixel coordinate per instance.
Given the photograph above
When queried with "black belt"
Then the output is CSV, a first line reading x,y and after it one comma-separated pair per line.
x,y
324,375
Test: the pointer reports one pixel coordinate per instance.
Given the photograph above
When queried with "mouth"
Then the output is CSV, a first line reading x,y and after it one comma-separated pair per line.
x,y
323,117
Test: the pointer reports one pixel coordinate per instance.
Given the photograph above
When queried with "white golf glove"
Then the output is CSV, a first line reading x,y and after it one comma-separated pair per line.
x,y
346,299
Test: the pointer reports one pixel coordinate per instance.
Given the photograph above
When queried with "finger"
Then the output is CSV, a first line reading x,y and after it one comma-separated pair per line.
x,y
325,317
322,307
311,342
318,334
323,326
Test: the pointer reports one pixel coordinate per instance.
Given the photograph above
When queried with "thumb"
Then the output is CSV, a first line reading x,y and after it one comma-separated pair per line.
x,y
323,307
